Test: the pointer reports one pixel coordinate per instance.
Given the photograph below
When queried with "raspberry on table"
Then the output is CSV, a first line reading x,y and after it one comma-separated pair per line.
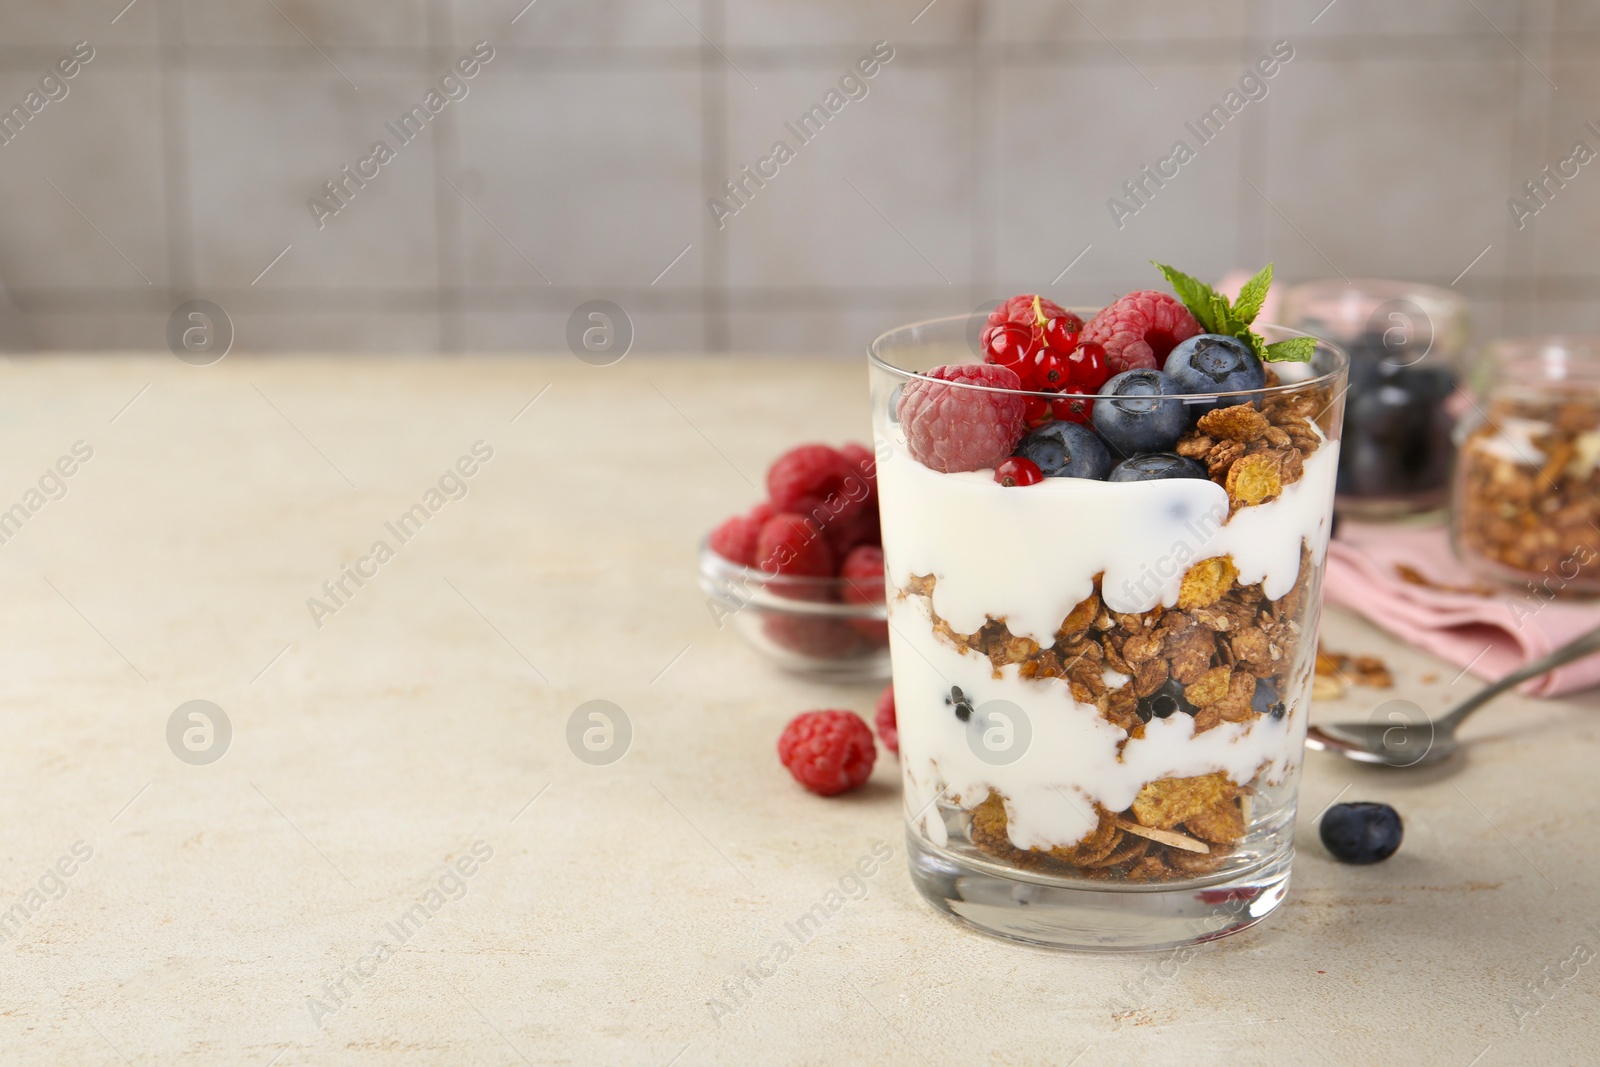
x,y
884,718
790,546
951,429
735,540
1140,330
829,752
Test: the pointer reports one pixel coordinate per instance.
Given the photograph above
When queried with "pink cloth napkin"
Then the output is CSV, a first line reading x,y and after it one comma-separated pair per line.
x,y
1491,633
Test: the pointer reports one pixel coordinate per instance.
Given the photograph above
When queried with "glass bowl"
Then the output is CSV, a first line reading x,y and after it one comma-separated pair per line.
x,y
831,628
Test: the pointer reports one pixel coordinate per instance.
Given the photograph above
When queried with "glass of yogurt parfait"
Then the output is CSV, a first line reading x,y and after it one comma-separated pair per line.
x,y
1103,609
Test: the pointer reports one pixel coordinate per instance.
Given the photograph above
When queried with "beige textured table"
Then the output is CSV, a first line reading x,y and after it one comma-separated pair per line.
x,y
406,744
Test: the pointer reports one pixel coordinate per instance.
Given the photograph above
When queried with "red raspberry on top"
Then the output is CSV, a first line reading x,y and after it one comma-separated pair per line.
x,y
1022,309
949,428
1140,329
828,752
888,728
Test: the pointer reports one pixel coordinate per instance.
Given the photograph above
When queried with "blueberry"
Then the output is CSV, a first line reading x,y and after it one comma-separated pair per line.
x,y
1066,450
1213,363
1155,466
959,701
1362,832
1265,700
1164,701
1398,434
1141,412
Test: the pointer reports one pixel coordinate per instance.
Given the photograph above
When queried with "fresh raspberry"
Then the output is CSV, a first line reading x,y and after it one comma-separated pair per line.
x,y
828,752
790,546
829,488
762,512
814,636
862,573
950,429
802,478
1021,309
888,729
1140,329
735,540
863,461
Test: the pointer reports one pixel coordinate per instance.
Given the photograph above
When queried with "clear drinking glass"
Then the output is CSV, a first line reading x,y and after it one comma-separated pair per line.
x,y
1407,346
1102,688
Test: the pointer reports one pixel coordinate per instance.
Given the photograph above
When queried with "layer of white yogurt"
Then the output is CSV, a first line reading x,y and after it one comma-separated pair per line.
x,y
1029,554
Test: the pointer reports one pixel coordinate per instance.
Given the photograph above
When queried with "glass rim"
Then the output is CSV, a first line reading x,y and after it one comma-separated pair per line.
x,y
1341,365
756,587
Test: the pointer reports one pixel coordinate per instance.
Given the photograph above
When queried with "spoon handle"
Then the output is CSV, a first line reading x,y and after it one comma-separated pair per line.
x,y
1579,647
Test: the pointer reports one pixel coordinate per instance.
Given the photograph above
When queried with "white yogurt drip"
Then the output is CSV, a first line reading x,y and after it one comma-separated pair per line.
x,y
1029,555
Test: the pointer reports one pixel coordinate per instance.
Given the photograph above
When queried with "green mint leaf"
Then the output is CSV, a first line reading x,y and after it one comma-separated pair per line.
x,y
1221,314
1198,297
1294,350
1251,296
1257,344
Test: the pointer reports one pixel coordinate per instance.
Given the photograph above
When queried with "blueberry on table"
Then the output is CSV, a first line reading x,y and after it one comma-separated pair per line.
x,y
1214,363
1156,466
1066,450
1361,832
1142,411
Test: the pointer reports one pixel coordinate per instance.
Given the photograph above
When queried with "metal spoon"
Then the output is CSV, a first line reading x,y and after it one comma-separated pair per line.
x,y
1409,739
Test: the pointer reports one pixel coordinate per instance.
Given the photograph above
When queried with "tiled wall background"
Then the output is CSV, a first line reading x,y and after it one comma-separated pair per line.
x,y
580,163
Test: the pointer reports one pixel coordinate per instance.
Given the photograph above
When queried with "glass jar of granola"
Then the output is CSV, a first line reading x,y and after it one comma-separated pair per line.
x,y
1102,681
1527,487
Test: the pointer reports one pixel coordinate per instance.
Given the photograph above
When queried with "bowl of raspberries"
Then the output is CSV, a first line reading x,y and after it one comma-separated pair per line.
x,y
800,576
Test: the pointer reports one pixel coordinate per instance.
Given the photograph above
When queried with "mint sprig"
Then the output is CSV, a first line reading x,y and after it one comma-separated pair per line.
x,y
1217,314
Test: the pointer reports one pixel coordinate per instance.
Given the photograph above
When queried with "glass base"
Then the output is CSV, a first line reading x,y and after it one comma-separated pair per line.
x,y
1056,913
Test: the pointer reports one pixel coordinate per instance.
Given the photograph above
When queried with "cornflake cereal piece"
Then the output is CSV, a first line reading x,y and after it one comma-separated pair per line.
x,y
1196,863
1220,460
1132,847
1210,689
1236,706
1206,582
1254,480
1242,422
1221,824
1081,616
1194,445
1166,802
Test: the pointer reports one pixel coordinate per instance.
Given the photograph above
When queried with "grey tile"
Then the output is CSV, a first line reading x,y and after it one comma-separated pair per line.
x,y
381,333
1121,20
556,23
883,195
1373,18
100,146
831,333
1390,168
545,332
1064,163
1559,238
787,23
88,330
261,145
592,176
326,23
61,23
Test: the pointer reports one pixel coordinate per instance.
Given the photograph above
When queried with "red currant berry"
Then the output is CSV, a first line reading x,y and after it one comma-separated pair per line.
x,y
1018,471
1061,332
1050,371
1073,409
1036,411
1009,345
1087,369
